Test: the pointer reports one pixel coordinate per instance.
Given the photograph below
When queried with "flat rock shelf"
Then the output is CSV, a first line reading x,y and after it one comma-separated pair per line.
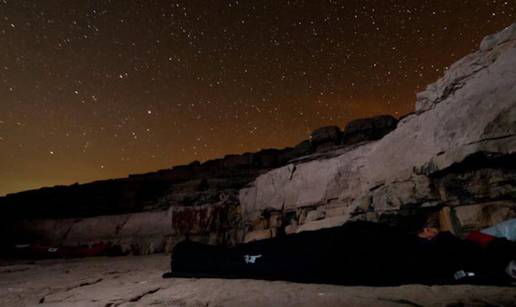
x,y
136,281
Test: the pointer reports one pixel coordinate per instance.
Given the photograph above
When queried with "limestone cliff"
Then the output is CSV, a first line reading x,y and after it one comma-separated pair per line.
x,y
454,157
457,150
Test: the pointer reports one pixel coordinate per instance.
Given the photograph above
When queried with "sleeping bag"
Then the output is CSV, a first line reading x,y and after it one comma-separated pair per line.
x,y
358,253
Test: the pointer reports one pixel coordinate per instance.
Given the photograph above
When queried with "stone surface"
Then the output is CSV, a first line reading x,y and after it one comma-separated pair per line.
x,y
501,37
479,216
314,215
459,148
329,222
368,129
138,233
258,235
329,136
136,281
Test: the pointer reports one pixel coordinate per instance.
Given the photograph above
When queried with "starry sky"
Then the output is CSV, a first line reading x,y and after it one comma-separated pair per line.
x,y
100,89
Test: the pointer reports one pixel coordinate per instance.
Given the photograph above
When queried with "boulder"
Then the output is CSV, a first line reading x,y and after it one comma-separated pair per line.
x,y
325,135
368,129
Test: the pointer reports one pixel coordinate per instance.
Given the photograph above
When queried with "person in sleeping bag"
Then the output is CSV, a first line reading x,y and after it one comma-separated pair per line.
x,y
356,253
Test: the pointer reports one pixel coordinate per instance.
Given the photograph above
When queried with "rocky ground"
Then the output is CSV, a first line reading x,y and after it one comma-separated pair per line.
x,y
136,281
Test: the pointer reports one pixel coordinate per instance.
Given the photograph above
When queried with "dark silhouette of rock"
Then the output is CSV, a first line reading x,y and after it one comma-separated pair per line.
x,y
303,148
368,129
325,136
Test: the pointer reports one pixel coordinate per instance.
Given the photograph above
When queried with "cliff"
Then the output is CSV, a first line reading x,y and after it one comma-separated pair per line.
x,y
455,154
453,158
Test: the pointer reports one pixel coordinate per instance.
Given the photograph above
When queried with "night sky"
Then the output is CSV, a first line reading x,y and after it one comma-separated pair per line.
x,y
100,89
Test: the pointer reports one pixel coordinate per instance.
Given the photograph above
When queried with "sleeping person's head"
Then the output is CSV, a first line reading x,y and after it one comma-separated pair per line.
x,y
430,228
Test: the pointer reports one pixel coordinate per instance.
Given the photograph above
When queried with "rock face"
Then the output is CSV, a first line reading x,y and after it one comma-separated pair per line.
x,y
141,214
456,154
454,158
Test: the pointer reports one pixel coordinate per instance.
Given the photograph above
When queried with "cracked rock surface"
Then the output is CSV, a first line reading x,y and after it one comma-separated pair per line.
x,y
136,281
